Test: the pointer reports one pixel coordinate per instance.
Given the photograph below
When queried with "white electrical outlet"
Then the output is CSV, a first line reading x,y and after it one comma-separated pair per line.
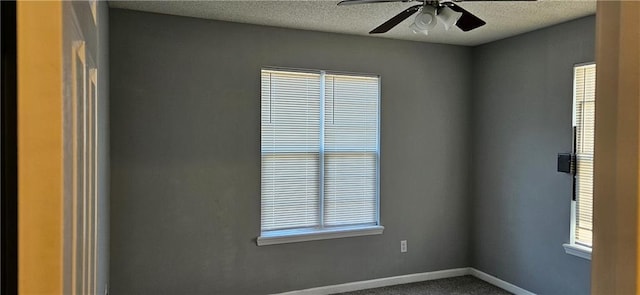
x,y
403,246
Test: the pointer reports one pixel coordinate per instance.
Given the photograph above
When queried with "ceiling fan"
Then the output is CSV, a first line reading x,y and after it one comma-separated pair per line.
x,y
430,12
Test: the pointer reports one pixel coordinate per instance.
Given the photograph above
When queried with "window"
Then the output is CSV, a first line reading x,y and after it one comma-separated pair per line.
x,y
319,152
584,134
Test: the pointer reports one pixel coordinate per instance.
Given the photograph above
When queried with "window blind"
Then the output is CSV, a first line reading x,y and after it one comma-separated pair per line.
x,y
290,149
351,133
584,122
319,148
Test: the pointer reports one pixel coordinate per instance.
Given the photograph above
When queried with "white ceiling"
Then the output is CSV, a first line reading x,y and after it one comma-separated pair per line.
x,y
504,18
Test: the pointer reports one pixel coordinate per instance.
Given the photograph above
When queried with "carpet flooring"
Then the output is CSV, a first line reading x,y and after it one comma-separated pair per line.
x,y
467,285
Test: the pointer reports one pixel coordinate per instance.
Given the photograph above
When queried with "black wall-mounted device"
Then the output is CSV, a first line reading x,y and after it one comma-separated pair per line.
x,y
565,163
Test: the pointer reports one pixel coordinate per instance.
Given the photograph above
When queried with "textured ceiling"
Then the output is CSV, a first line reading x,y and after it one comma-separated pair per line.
x,y
504,18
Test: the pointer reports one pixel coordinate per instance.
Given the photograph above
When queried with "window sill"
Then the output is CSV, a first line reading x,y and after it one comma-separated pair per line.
x,y
578,250
303,235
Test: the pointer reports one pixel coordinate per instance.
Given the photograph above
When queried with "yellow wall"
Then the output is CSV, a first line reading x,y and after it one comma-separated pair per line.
x,y
615,257
40,147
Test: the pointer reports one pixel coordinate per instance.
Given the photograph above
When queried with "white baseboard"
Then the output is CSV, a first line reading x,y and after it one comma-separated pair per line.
x,y
412,278
383,282
498,282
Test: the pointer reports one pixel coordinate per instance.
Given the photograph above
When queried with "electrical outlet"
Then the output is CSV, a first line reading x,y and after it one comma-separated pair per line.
x,y
403,246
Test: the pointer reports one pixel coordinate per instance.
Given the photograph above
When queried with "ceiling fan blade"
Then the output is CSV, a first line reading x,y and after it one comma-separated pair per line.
x,y
467,21
394,21
350,2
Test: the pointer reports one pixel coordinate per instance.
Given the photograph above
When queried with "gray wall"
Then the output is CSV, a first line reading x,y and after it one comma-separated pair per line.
x,y
185,157
522,106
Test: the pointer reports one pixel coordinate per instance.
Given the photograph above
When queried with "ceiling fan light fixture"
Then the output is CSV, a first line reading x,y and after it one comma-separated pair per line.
x,y
425,20
417,30
448,17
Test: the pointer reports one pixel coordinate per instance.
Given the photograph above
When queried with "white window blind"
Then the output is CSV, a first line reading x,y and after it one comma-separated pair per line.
x,y
584,123
351,145
319,149
290,149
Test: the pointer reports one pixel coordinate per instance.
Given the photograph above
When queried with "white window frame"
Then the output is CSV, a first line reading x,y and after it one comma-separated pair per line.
x,y
321,233
573,247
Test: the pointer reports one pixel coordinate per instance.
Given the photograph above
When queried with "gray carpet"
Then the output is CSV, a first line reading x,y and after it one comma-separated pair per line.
x,y
467,285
